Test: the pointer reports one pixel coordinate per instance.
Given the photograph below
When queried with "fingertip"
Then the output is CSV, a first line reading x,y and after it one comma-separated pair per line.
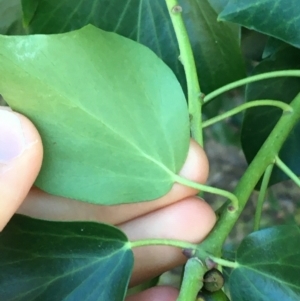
x,y
20,161
196,166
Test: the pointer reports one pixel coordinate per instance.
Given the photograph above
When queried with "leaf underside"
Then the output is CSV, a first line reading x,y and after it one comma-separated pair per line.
x,y
112,116
63,261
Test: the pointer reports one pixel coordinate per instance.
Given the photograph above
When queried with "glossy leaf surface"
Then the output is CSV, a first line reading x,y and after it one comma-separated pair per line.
x,y
63,261
279,18
112,116
215,44
273,45
259,122
269,266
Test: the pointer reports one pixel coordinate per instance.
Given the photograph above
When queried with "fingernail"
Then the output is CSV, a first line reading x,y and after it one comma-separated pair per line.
x,y
12,139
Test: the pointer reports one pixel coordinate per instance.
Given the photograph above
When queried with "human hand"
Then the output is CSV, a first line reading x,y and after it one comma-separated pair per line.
x,y
177,215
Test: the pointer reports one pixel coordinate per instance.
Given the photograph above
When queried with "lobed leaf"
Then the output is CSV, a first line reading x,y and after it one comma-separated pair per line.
x,y
112,116
259,122
268,266
279,19
63,261
216,45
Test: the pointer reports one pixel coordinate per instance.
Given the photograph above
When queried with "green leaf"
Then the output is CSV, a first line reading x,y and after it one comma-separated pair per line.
x,y
215,44
112,116
29,9
273,45
279,19
218,5
11,17
63,261
268,266
259,122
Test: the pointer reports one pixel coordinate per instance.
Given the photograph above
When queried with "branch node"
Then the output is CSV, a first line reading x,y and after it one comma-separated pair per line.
x,y
177,9
210,264
231,208
189,253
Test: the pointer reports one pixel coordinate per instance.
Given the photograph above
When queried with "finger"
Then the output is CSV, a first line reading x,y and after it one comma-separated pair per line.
x,y
20,161
158,293
188,220
42,205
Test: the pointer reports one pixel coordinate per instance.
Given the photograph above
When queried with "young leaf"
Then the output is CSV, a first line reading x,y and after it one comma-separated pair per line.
x,y
63,261
268,266
216,45
259,122
112,116
280,19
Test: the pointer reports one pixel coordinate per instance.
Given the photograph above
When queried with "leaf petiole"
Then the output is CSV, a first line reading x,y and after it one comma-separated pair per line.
x,y
287,170
162,242
224,262
254,78
256,103
228,195
261,196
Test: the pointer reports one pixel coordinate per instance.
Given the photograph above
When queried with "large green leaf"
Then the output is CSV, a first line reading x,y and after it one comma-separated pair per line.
x,y
268,266
11,17
63,261
259,122
215,44
279,18
112,116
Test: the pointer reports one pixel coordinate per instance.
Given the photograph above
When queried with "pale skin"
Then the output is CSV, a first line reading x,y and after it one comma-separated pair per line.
x,y
177,215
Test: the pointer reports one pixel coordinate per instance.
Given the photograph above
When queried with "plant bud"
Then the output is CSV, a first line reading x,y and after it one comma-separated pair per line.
x,y
213,280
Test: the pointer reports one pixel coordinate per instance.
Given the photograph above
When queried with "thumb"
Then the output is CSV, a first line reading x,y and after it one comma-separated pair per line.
x,y
20,161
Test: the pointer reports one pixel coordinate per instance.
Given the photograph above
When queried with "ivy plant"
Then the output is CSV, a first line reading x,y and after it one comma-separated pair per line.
x,y
116,89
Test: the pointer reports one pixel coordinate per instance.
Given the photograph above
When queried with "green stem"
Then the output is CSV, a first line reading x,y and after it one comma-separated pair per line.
x,y
224,263
262,196
192,281
256,103
250,79
162,242
228,195
188,61
265,156
287,170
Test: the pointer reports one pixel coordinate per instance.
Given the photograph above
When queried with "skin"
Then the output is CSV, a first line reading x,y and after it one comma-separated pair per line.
x,y
177,215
